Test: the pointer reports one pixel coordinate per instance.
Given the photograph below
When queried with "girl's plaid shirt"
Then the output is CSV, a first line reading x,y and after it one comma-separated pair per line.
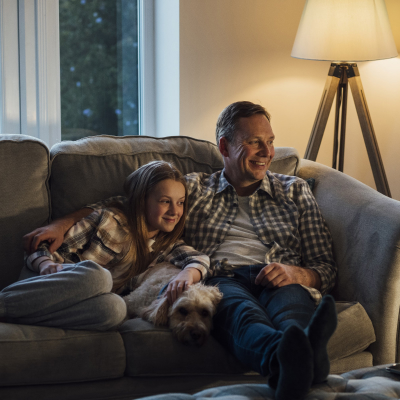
x,y
100,238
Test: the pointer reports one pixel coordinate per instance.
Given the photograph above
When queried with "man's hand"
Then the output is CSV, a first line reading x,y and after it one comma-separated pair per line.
x,y
53,233
276,275
181,282
49,267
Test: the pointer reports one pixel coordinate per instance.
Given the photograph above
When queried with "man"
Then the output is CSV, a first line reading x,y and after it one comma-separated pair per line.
x,y
270,228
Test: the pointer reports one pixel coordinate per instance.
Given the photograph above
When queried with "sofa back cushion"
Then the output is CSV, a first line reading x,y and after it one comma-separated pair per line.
x,y
94,168
25,198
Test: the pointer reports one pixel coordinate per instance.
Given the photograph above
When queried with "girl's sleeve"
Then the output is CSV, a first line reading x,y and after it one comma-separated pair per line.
x,y
185,256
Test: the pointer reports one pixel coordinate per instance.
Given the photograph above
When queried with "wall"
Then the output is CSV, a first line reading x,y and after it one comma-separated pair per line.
x,y
233,50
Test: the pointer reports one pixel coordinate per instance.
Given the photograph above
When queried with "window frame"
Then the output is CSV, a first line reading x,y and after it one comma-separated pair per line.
x,y
30,65
30,101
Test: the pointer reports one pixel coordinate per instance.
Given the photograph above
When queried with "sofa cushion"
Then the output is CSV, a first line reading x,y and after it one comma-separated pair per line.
x,y
25,198
94,168
169,357
32,355
354,332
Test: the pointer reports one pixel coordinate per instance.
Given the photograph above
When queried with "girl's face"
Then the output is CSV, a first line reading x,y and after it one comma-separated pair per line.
x,y
164,206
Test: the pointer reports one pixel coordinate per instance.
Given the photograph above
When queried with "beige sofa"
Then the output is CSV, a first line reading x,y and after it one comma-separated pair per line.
x,y
37,185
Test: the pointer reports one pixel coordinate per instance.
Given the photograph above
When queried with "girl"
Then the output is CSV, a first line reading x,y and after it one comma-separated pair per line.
x,y
104,253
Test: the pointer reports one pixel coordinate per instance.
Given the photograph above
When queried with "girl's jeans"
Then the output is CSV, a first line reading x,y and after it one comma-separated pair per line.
x,y
78,297
250,318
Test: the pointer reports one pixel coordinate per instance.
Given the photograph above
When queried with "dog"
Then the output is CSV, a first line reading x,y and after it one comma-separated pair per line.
x,y
189,318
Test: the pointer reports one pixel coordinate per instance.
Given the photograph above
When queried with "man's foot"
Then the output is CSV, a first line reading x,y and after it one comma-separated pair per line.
x,y
320,329
295,358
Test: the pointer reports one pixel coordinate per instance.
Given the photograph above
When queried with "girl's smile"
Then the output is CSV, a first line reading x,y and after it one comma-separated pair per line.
x,y
164,206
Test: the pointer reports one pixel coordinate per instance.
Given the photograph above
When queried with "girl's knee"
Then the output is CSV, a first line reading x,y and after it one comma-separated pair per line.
x,y
97,278
114,312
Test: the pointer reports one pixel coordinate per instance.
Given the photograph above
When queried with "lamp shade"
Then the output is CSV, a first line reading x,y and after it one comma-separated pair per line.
x,y
344,30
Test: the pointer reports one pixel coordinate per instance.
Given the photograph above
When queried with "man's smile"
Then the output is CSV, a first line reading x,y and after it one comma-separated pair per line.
x,y
258,163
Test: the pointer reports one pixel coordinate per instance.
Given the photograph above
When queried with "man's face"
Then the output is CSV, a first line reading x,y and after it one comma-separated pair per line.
x,y
248,157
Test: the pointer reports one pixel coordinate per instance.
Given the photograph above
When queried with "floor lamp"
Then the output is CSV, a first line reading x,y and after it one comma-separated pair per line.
x,y
345,32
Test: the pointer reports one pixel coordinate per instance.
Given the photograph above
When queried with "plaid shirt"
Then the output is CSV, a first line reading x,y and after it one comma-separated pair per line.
x,y
283,212
99,237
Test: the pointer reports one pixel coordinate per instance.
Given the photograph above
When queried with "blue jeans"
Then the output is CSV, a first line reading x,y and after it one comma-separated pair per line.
x,y
78,297
250,318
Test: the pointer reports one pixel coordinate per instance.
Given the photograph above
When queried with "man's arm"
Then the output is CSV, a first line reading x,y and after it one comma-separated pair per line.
x,y
316,240
278,275
318,268
54,232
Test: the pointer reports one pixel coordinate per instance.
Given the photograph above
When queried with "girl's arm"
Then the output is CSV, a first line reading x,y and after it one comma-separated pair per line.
x,y
181,282
185,256
45,266
195,267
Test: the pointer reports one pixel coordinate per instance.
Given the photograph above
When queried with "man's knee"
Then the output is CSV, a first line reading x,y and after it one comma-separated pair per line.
x,y
294,292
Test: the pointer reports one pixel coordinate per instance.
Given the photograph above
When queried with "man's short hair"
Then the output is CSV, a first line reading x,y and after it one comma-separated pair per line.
x,y
229,117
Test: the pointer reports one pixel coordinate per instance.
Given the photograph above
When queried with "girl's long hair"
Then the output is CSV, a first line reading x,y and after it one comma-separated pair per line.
x,y
137,187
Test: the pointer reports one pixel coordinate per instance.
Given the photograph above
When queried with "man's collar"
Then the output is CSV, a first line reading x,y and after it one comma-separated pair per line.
x,y
223,183
265,183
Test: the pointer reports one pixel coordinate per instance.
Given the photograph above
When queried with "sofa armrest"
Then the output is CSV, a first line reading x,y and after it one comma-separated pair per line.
x,y
365,226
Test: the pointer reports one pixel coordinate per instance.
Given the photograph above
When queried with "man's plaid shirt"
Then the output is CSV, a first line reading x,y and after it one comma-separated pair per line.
x,y
283,212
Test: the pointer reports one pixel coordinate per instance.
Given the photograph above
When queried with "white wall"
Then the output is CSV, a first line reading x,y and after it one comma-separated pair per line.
x,y
233,50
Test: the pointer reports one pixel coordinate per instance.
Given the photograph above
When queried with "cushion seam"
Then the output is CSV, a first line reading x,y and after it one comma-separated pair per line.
x,y
49,340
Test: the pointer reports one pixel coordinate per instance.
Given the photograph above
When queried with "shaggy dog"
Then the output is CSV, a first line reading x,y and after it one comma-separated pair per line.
x,y
189,318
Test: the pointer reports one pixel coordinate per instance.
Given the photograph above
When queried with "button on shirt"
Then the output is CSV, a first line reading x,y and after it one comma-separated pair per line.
x,y
283,212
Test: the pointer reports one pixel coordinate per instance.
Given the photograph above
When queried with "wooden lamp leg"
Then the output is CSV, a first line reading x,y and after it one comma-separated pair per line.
x,y
367,129
341,105
323,112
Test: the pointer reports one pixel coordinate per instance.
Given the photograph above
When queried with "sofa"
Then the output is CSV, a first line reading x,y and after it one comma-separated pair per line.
x,y
137,360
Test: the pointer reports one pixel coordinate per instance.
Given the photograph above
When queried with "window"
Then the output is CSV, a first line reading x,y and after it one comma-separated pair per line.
x,y
30,99
98,68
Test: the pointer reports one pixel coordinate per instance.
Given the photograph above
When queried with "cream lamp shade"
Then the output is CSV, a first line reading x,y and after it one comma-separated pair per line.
x,y
344,30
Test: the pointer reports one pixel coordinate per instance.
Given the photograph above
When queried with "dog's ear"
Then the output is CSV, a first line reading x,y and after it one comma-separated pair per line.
x,y
216,295
157,312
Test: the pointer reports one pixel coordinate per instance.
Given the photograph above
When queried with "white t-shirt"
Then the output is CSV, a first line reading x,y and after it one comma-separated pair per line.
x,y
241,245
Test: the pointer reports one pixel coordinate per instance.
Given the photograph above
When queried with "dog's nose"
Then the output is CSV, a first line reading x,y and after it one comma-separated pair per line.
x,y
196,335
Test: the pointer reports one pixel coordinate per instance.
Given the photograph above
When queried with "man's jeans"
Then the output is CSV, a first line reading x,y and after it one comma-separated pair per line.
x,y
78,297
250,318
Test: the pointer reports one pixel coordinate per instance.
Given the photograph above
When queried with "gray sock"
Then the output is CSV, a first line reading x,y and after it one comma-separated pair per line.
x,y
319,331
295,358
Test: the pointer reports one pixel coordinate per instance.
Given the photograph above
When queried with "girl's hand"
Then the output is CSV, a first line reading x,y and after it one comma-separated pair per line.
x,y
181,282
49,267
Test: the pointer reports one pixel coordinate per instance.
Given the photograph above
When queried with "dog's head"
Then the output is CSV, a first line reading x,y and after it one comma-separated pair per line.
x,y
190,317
